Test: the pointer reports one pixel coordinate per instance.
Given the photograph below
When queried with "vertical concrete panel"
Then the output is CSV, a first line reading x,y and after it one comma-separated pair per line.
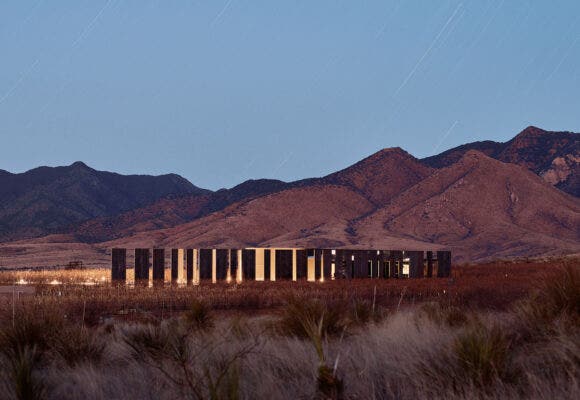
x,y
249,264
230,273
273,264
301,264
429,264
267,255
377,263
213,265
141,264
385,264
196,275
320,265
363,264
239,268
159,264
357,270
221,264
393,260
443,264
174,265
311,265
342,265
205,264
326,264
181,276
352,262
260,264
118,264
189,265
415,264
283,261
294,265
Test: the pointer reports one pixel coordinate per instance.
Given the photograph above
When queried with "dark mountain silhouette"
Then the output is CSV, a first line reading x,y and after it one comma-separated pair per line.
x,y
555,156
46,199
166,213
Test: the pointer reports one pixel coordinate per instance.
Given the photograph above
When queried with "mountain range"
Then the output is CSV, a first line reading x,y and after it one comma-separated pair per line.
x,y
483,200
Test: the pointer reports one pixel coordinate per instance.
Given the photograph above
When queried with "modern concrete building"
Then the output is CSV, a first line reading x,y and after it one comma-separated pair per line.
x,y
272,264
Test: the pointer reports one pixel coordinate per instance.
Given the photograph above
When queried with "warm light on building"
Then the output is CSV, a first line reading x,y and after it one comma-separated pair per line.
x,y
190,266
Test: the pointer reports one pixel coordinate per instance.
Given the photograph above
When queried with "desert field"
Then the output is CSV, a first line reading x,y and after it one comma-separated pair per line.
x,y
503,329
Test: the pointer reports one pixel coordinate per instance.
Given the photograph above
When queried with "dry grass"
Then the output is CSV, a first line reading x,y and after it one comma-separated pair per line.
x,y
88,296
337,340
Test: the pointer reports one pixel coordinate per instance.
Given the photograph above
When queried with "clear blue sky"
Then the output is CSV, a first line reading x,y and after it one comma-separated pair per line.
x,y
224,91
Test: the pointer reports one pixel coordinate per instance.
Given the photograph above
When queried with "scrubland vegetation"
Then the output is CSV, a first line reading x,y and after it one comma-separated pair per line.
x,y
491,331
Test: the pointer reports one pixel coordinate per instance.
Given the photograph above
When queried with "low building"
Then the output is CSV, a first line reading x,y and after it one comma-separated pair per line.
x,y
272,264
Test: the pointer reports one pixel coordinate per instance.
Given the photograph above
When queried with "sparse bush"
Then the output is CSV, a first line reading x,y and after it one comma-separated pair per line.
x,y
483,354
444,315
557,299
361,312
27,381
30,330
562,294
75,345
199,315
301,314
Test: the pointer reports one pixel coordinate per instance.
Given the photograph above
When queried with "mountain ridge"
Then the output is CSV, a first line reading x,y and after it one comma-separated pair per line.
x,y
44,199
339,209
554,155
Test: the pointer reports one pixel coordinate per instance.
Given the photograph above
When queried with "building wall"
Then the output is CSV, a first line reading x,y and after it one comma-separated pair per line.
x,y
270,264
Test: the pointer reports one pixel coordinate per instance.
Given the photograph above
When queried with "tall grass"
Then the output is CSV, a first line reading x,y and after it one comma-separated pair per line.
x,y
312,342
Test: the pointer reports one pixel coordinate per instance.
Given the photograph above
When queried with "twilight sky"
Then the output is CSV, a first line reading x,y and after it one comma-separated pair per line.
x,y
224,91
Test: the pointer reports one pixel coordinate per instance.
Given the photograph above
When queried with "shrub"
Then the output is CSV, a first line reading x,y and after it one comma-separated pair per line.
x,y
75,345
199,315
562,294
30,331
482,354
27,383
444,315
558,297
301,314
362,312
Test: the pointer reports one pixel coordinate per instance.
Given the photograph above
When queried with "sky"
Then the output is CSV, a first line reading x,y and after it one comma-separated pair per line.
x,y
224,91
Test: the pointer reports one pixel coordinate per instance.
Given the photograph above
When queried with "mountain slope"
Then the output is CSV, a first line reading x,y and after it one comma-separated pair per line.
x,y
482,208
555,156
376,178
46,199
306,210
464,199
382,175
167,213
